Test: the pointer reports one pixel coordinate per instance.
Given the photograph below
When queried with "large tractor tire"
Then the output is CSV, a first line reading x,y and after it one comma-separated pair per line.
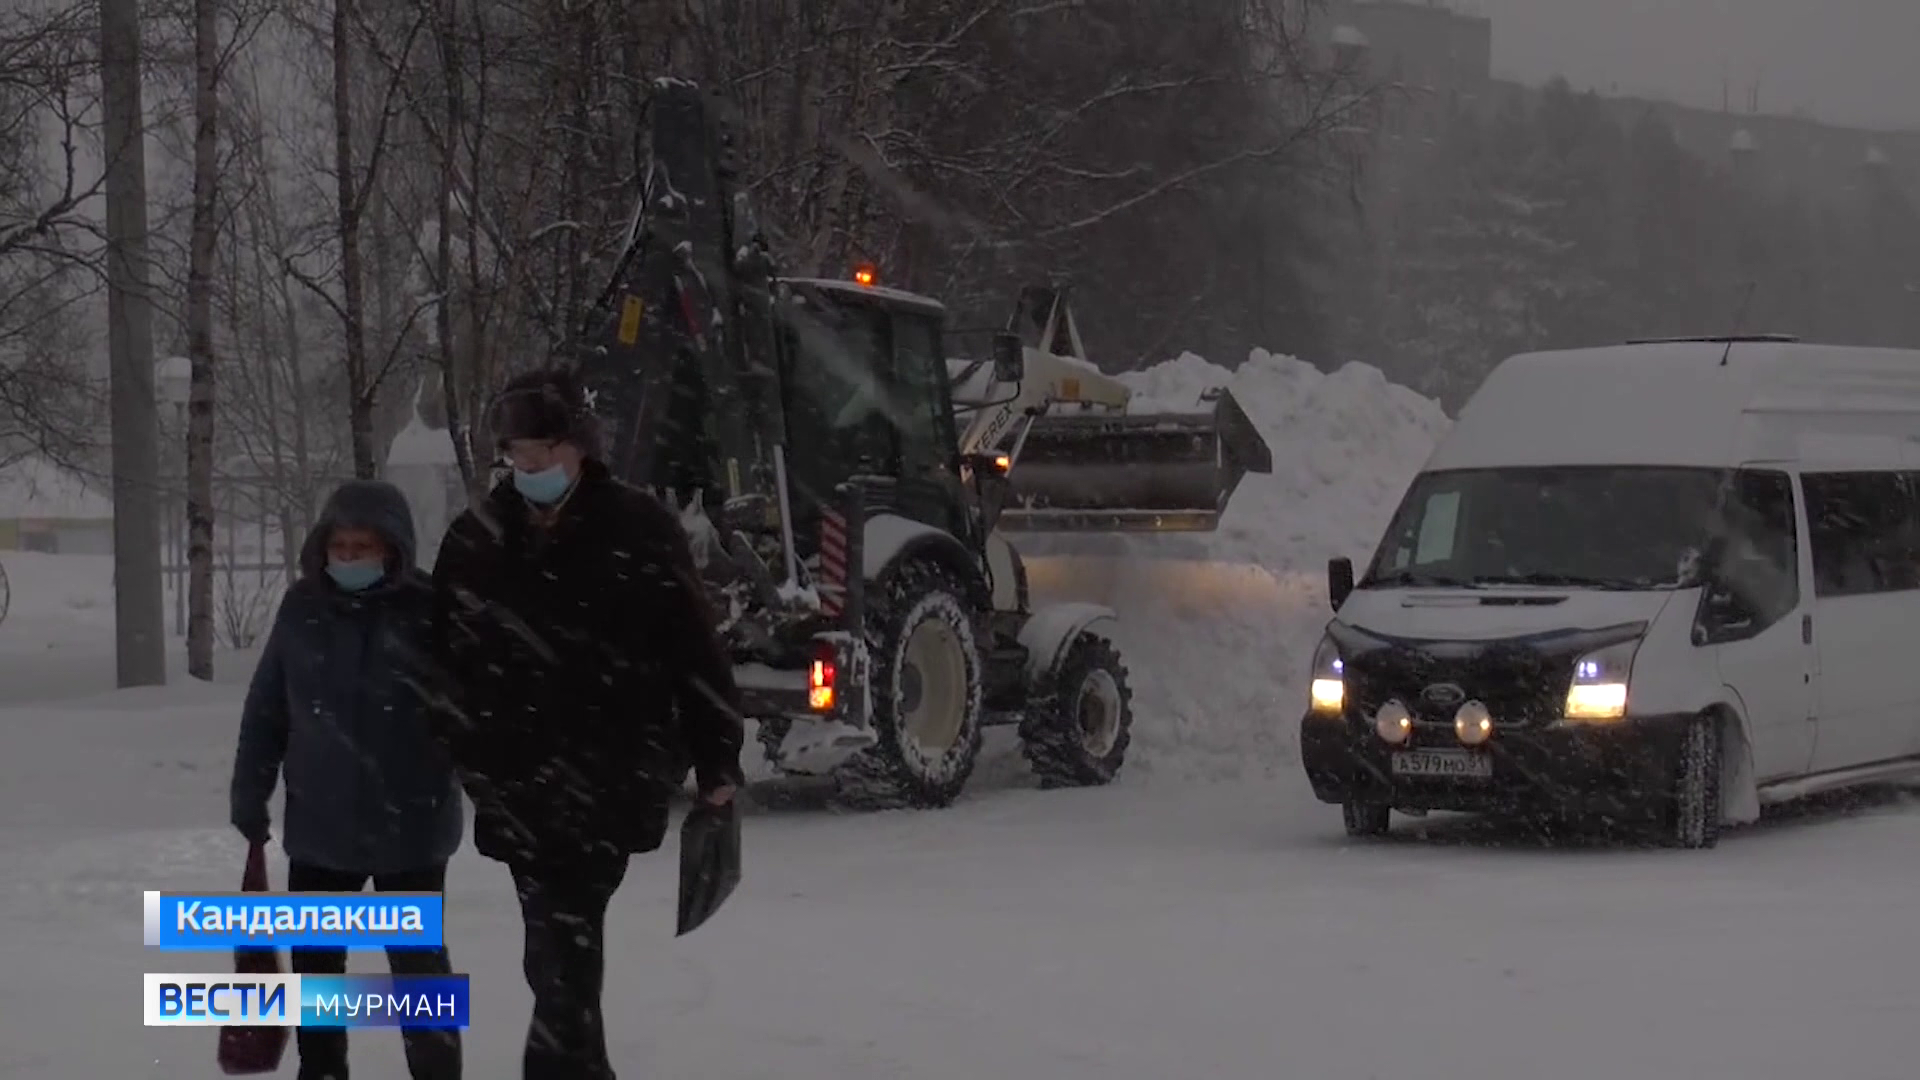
x,y
926,694
1080,737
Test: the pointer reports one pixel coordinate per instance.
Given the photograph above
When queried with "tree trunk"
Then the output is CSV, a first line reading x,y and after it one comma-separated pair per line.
x,y
200,256
450,389
383,334
359,379
270,404
578,160
297,390
140,646
479,348
278,323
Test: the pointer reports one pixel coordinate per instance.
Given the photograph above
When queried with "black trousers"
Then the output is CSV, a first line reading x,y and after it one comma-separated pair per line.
x,y
564,908
431,1055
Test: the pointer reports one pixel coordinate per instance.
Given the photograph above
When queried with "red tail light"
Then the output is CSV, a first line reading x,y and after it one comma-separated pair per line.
x,y
820,679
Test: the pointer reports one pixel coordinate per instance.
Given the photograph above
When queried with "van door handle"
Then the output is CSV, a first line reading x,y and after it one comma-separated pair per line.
x,y
1806,629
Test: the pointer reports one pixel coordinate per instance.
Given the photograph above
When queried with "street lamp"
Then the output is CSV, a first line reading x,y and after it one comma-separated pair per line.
x,y
173,380
173,384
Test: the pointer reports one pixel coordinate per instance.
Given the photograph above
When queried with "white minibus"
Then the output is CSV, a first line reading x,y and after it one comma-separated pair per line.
x,y
1668,581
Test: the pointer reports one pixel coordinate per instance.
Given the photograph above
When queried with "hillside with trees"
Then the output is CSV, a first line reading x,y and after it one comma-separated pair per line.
x,y
1554,226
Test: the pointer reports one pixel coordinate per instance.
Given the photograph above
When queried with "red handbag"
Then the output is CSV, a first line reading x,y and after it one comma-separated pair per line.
x,y
250,1051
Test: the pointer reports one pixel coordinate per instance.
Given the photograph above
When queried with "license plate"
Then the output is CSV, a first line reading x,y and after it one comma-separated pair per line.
x,y
1443,763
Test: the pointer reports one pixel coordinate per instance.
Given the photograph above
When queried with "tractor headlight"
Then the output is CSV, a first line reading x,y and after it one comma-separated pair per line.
x,y
1328,691
1599,690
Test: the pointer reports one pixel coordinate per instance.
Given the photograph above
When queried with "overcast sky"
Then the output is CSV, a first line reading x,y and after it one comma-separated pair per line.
x,y
1847,61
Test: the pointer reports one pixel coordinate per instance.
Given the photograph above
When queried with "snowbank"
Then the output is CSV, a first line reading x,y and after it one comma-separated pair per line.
x,y
421,445
57,600
34,487
56,639
1218,628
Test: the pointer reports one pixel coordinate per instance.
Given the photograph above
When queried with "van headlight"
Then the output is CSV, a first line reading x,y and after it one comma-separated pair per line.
x,y
1328,691
1598,693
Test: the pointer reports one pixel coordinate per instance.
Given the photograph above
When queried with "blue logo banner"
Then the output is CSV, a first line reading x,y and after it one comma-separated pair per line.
x,y
325,1001
202,922
375,1001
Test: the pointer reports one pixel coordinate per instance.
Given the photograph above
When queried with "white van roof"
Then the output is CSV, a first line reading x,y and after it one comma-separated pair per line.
x,y
1673,403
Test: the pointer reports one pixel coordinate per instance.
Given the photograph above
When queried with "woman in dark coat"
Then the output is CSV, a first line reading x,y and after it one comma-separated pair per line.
x,y
338,706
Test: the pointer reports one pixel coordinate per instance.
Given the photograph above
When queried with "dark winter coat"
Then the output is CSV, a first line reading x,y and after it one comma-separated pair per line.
x,y
586,671
338,704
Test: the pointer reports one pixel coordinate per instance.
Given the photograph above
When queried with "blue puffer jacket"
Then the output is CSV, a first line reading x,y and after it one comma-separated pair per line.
x,y
337,704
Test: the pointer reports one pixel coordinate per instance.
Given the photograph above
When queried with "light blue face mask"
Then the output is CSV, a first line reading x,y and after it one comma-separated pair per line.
x,y
544,487
357,575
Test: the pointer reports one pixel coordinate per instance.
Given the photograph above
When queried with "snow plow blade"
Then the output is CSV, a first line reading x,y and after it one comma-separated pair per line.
x,y
1146,472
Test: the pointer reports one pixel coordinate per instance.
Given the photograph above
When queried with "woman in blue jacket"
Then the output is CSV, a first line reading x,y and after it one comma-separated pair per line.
x,y
338,705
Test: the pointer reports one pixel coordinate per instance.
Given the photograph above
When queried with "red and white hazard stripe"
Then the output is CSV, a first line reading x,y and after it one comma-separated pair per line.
x,y
833,562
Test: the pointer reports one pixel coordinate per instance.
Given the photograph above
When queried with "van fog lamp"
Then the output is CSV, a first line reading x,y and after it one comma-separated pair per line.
x,y
1473,724
1393,723
1598,693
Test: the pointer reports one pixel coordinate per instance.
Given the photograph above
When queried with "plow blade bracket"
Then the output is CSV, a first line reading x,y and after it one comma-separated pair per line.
x,y
1134,472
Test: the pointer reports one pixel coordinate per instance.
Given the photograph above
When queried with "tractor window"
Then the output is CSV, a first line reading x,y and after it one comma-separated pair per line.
x,y
930,488
920,380
836,399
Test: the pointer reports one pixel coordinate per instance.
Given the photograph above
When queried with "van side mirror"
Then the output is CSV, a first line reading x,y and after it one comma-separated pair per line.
x,y
1009,358
1339,580
1712,559
1726,611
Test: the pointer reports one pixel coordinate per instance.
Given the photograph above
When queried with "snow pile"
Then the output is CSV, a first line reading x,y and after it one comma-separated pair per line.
x,y
33,487
419,445
421,463
1344,447
1219,628
56,601
56,638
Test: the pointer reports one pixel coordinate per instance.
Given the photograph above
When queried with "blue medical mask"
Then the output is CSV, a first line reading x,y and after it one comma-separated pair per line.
x,y
356,575
544,487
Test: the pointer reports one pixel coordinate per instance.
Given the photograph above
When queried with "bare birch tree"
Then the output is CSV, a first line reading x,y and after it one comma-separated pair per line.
x,y
350,207
200,284
49,269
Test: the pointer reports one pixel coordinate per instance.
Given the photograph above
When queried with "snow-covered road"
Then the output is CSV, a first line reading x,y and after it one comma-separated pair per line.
x,y
1203,918
1150,930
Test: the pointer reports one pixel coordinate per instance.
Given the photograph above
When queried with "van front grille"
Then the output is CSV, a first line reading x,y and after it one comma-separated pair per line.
x,y
1520,685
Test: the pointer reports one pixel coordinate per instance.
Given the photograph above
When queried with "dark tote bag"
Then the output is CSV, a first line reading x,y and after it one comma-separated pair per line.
x,y
250,1051
709,861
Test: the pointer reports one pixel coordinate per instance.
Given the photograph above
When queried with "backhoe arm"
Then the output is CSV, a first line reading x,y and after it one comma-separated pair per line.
x,y
1057,373
681,351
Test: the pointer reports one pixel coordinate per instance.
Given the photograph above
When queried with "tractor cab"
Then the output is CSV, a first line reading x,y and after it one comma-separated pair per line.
x,y
863,382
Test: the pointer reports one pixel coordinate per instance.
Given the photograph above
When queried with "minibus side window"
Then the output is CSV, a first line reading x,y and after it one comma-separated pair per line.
x,y
1862,529
1758,582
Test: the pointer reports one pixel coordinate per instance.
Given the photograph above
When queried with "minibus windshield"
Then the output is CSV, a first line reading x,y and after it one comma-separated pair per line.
x,y
1598,527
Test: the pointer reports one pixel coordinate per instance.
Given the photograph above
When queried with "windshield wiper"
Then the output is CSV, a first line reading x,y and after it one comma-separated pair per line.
x,y
1408,579
1564,581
